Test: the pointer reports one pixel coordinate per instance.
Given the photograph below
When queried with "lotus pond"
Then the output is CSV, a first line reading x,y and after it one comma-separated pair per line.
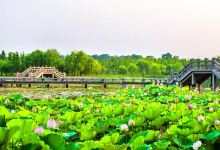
x,y
155,117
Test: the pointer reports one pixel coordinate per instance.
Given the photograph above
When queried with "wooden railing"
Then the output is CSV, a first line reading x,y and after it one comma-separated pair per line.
x,y
83,80
196,65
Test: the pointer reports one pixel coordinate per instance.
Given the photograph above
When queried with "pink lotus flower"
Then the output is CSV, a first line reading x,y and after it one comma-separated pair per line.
x,y
51,124
39,130
189,105
81,104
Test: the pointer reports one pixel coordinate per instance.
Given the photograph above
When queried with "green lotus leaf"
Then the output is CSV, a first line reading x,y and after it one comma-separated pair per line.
x,y
2,121
5,112
138,121
143,147
111,146
173,116
90,144
55,141
16,97
70,134
72,117
212,136
25,126
162,145
87,134
73,146
152,113
25,114
158,122
172,130
114,138
118,111
30,138
100,127
137,142
30,103
6,135
183,142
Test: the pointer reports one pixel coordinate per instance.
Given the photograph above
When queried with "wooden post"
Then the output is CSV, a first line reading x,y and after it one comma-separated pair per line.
x,y
86,85
193,79
105,85
198,64
0,84
214,82
67,85
199,88
29,85
48,85
19,85
206,63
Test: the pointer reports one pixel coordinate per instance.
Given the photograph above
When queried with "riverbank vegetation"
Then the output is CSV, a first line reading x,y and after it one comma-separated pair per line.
x,y
78,63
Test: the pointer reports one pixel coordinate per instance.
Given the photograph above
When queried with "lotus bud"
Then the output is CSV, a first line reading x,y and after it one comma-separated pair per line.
x,y
81,104
51,124
39,130
12,111
59,122
216,102
211,109
217,122
201,118
124,127
189,105
131,122
197,145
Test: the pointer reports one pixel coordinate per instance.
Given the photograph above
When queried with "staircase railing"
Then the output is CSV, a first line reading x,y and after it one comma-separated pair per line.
x,y
196,65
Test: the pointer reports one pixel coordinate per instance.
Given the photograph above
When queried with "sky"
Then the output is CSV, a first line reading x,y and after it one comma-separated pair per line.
x,y
187,28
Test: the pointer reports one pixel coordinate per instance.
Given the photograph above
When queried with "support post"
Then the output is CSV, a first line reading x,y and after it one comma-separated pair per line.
x,y
214,83
48,85
124,85
67,85
11,85
105,85
19,85
193,79
86,85
199,88
29,85
206,63
0,84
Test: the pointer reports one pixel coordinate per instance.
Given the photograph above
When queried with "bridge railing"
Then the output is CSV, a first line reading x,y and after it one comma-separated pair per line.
x,y
196,65
83,80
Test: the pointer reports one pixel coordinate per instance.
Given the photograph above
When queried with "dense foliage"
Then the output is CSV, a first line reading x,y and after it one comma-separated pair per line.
x,y
78,63
155,117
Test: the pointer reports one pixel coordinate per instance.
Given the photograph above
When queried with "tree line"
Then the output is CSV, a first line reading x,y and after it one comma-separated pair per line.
x,y
78,63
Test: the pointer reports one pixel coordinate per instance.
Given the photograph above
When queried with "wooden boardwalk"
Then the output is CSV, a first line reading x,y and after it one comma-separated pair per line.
x,y
79,80
196,72
193,74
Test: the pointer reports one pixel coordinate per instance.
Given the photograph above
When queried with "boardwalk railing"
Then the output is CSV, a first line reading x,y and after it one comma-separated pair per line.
x,y
82,80
196,65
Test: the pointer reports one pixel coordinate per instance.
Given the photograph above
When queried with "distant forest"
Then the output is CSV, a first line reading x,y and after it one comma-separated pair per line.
x,y
78,63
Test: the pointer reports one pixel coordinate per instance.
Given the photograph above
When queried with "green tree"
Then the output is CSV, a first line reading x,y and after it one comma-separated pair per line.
x,y
122,69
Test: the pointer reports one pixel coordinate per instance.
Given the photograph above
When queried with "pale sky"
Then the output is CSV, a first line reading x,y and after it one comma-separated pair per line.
x,y
188,28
